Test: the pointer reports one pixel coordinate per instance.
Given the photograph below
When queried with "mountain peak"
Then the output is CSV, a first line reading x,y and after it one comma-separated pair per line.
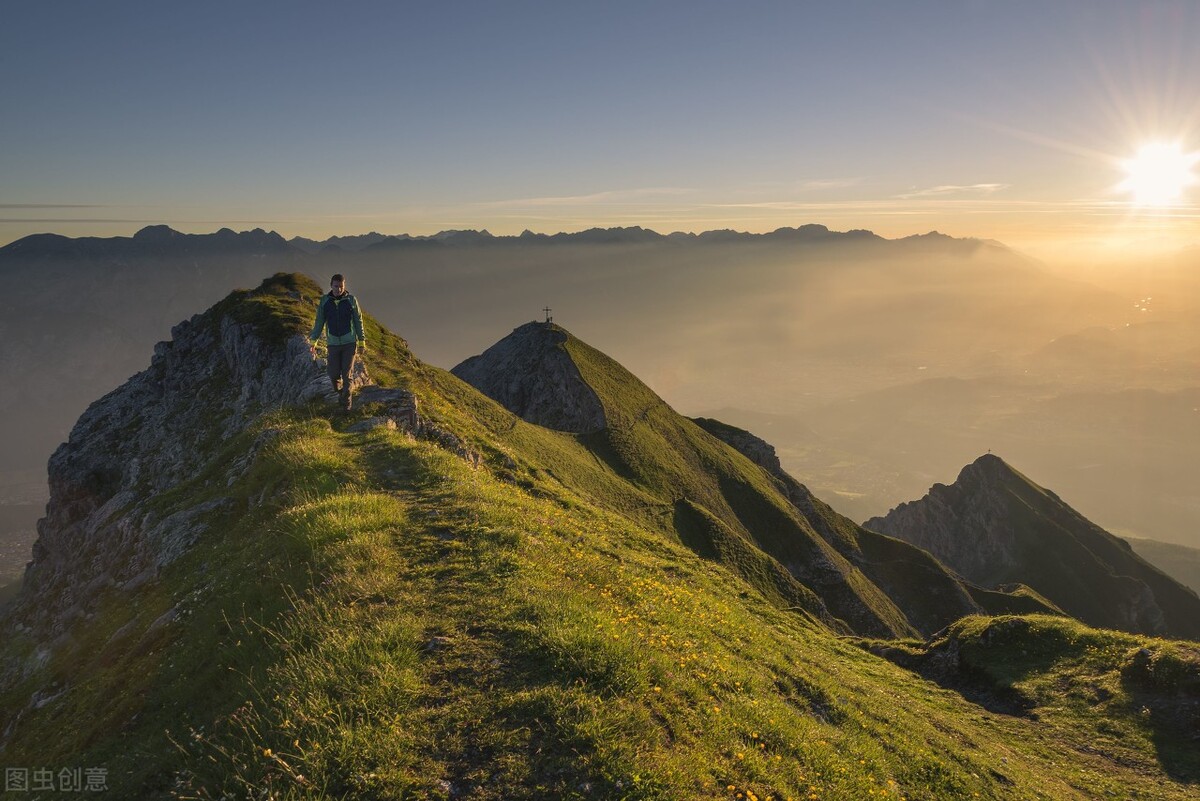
x,y
156,233
990,467
208,384
997,527
532,373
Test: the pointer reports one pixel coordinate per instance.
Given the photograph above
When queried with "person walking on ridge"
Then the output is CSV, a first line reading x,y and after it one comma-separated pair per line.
x,y
338,312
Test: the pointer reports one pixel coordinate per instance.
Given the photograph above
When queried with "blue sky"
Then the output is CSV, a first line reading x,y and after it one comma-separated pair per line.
x,y
994,119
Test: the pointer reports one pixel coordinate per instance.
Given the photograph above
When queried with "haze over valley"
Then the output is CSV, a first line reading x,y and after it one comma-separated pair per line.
x,y
876,367
742,401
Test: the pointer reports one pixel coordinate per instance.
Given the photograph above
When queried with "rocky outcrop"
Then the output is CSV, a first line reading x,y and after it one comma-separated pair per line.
x,y
102,527
996,527
929,593
530,373
940,523
754,448
111,522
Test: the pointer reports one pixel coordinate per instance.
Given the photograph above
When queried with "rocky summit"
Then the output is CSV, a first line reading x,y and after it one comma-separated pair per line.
x,y
104,526
242,591
531,374
996,527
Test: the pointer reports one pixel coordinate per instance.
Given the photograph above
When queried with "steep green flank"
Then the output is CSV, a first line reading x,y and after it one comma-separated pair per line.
x,y
401,625
672,458
929,594
374,617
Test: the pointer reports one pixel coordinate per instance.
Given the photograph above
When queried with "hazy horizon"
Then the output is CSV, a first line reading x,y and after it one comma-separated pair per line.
x,y
1013,121
1069,133
875,368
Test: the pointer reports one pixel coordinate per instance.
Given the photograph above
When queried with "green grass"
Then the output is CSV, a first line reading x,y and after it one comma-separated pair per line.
x,y
1133,699
380,619
414,625
283,305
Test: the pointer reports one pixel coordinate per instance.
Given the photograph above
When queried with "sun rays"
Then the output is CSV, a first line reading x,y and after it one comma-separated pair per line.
x,y
1158,174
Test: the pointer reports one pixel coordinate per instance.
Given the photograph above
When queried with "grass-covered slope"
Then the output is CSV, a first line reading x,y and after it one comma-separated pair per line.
x,y
374,616
402,625
714,496
1109,693
929,594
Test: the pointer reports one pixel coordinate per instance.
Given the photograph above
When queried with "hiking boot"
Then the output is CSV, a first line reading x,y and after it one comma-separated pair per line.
x,y
345,397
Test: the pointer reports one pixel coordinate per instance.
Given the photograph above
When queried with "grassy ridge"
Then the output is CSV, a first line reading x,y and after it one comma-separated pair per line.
x,y
380,619
463,637
676,460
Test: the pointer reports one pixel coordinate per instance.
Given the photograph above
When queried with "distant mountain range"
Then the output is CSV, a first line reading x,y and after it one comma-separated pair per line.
x,y
161,238
151,241
860,341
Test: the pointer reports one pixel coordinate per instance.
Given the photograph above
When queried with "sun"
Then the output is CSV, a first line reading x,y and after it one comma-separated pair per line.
x,y
1159,173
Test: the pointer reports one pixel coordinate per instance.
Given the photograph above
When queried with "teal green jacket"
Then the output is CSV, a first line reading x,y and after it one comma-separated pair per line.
x,y
355,333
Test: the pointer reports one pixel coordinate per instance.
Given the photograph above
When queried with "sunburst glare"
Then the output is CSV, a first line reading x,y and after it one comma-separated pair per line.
x,y
1159,174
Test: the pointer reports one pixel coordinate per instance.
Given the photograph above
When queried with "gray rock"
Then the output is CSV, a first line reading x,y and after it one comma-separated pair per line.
x,y
531,374
161,427
171,538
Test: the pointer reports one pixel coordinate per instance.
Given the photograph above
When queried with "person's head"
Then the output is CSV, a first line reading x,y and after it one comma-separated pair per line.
x,y
337,284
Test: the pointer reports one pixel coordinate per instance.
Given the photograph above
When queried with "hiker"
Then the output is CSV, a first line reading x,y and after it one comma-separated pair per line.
x,y
338,312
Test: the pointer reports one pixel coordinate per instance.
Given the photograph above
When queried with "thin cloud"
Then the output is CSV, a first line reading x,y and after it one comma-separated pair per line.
x,y
46,220
53,205
955,189
612,196
105,221
820,184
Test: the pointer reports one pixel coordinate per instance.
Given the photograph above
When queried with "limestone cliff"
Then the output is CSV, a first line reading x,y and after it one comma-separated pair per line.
x,y
103,528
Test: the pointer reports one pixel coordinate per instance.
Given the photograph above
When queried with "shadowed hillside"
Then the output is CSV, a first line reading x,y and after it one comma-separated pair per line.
x,y
995,527
239,591
723,502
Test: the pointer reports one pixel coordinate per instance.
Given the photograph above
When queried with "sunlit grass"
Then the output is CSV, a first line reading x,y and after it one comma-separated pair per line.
x,y
385,620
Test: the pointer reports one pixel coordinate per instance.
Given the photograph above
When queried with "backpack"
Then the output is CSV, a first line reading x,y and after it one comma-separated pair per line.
x,y
339,313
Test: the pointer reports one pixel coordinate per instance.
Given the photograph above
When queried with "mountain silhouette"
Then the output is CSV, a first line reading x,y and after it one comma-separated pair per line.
x,y
994,526
149,241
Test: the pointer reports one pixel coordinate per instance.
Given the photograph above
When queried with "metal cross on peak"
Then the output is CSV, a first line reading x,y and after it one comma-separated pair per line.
x,y
549,319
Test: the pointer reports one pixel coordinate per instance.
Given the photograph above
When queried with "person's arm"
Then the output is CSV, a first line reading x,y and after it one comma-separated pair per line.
x,y
356,321
316,331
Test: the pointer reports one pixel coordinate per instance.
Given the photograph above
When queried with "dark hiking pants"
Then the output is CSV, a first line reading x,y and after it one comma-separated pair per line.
x,y
341,359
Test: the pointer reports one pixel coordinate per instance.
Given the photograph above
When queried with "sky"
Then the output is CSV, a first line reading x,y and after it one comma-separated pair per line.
x,y
1001,119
